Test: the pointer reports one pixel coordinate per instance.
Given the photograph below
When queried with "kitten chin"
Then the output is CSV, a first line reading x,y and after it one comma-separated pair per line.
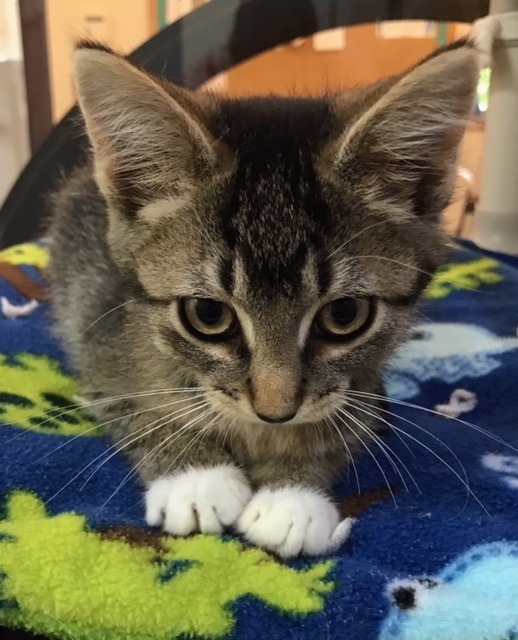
x,y
261,256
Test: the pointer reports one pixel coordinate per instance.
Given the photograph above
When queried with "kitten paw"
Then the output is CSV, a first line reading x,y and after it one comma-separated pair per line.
x,y
199,499
293,520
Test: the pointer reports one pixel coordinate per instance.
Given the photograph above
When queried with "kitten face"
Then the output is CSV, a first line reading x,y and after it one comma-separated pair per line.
x,y
276,260
279,245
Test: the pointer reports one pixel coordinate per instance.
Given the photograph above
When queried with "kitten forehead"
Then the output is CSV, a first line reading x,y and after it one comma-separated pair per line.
x,y
275,214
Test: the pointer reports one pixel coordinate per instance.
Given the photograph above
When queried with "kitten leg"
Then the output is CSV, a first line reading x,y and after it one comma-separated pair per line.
x,y
290,517
192,484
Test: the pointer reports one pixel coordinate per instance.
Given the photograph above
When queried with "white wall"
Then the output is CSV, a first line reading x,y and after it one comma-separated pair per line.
x,y
14,131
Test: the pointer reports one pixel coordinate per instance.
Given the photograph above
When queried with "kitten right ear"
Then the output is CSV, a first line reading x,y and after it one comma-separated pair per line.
x,y
401,150
149,139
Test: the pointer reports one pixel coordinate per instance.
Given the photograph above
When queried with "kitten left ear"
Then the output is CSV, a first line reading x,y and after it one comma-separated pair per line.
x,y
149,138
402,150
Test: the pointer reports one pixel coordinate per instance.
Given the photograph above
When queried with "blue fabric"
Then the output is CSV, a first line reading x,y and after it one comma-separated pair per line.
x,y
456,525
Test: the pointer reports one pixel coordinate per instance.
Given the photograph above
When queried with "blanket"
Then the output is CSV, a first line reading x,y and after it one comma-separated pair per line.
x,y
433,554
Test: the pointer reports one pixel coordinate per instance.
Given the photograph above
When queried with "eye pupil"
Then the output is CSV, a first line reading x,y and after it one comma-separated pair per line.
x,y
209,311
343,318
207,318
344,311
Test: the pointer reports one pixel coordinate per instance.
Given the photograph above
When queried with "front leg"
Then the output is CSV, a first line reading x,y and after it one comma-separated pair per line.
x,y
193,483
293,512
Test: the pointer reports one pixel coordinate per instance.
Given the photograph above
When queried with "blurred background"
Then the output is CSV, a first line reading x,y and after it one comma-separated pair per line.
x,y
37,37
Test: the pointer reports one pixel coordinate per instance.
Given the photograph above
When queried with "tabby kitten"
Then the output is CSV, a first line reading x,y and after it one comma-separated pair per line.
x,y
225,272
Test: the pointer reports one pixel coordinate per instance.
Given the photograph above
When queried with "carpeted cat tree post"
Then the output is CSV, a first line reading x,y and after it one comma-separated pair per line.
x,y
496,219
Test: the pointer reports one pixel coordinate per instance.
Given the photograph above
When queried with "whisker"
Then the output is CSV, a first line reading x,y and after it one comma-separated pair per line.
x,y
429,434
410,405
173,437
111,448
189,445
417,426
197,438
376,416
107,422
341,418
320,430
223,434
405,444
162,422
135,469
392,260
464,481
92,324
349,454
364,230
383,447
83,406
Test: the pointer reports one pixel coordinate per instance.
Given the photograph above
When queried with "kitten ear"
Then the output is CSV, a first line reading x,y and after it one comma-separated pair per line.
x,y
402,149
149,139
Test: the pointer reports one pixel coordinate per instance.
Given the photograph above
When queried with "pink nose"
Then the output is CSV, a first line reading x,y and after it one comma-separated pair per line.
x,y
275,395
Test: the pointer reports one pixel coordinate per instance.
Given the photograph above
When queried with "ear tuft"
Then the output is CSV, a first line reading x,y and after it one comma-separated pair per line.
x,y
94,45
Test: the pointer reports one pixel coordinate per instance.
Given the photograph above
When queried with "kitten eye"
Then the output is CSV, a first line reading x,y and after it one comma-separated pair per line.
x,y
343,317
207,318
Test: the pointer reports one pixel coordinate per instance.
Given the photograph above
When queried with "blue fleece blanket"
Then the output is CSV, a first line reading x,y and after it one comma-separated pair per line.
x,y
433,554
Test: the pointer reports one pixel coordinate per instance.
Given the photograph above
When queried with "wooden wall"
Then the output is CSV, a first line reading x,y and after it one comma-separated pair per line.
x,y
122,24
301,70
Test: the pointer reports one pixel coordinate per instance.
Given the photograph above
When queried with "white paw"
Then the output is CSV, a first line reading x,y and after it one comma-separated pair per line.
x,y
293,520
199,499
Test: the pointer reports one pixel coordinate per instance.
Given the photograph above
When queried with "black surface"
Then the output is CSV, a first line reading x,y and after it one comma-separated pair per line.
x,y
9,634
211,39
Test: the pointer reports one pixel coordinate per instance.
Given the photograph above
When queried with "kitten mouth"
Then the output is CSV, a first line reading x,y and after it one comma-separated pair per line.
x,y
323,403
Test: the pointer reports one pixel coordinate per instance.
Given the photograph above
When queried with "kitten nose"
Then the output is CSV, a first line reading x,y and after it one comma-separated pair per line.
x,y
275,394
276,419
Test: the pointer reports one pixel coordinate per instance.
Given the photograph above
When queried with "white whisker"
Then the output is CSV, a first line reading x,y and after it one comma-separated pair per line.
x,y
464,481
356,404
107,422
111,448
140,464
79,407
349,454
392,260
92,324
162,421
437,413
379,442
341,418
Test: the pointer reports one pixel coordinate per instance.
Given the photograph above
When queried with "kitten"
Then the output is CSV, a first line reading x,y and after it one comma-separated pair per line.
x,y
230,277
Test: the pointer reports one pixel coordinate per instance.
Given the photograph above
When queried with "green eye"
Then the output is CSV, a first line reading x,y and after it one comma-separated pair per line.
x,y
207,318
343,317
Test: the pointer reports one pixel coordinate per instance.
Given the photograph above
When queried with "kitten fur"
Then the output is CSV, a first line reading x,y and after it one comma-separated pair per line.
x,y
274,206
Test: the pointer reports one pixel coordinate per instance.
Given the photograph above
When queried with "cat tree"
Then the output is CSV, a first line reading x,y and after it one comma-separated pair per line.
x,y
496,218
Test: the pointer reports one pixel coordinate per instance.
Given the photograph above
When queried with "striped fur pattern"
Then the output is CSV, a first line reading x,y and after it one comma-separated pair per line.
x,y
274,206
